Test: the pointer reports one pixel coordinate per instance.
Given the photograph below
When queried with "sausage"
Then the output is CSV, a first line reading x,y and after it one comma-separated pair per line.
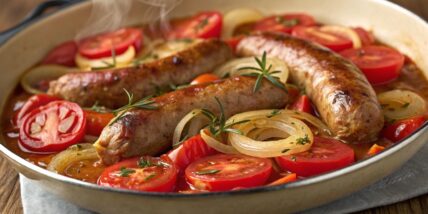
x,y
149,132
106,87
344,98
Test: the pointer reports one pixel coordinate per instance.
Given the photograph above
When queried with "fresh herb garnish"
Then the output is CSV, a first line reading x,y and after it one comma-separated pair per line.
x,y
303,140
125,172
201,24
274,113
145,162
293,158
146,103
178,87
181,141
287,22
217,124
107,64
140,60
405,105
208,172
263,72
285,150
98,108
150,177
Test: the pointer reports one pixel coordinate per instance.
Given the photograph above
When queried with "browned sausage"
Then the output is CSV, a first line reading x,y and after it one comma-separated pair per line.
x,y
339,90
106,87
149,132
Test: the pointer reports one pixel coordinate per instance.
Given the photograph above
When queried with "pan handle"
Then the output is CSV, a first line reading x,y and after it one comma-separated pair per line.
x,y
34,15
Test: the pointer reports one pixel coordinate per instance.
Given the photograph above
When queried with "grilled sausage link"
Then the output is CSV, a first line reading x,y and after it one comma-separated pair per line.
x,y
106,87
149,132
339,90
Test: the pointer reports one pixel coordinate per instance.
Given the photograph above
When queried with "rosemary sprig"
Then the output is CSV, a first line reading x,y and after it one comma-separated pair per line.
x,y
97,108
107,64
145,103
217,124
207,172
263,72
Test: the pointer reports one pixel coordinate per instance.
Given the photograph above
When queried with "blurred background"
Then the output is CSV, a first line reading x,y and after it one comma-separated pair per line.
x,y
12,11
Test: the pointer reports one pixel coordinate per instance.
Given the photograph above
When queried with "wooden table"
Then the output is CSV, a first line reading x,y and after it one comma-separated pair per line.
x,y
10,201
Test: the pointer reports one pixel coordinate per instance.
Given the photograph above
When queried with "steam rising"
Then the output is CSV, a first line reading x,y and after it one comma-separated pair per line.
x,y
109,15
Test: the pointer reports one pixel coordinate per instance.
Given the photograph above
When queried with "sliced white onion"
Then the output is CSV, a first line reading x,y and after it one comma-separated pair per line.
x,y
122,60
217,145
182,124
78,152
233,67
236,17
345,31
400,104
41,73
297,130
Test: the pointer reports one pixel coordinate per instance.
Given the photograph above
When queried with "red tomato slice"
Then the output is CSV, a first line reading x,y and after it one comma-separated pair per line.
x,y
101,45
233,42
95,122
328,39
225,172
203,25
325,155
150,174
191,150
403,128
284,23
380,64
366,37
63,54
52,127
32,103
204,78
303,104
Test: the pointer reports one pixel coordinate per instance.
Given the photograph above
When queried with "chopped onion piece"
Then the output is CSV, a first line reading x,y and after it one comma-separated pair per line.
x,y
345,31
33,77
217,145
233,67
400,104
237,17
78,152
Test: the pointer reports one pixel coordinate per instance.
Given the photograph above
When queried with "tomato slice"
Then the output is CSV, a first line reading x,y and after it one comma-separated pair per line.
x,y
284,23
191,150
225,172
204,78
203,25
366,37
303,104
150,174
233,42
325,155
403,128
52,127
328,39
96,121
63,54
32,103
101,45
380,64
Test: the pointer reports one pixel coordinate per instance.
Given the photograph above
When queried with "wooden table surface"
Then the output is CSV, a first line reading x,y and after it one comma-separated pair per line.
x,y
12,11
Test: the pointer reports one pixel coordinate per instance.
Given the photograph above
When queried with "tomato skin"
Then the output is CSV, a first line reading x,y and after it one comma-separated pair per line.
x,y
100,45
325,155
95,122
63,54
204,78
203,25
164,180
191,150
32,103
235,171
49,139
273,23
402,128
303,104
366,37
379,64
233,42
337,42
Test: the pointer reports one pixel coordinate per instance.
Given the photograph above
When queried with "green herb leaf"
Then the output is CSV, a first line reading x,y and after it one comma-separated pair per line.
x,y
125,172
107,64
285,150
150,177
303,140
208,172
274,113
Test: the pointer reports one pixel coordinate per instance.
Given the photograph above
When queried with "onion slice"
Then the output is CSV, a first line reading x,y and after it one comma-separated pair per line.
x,y
345,31
36,75
217,145
182,124
237,17
78,152
233,67
121,60
400,104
